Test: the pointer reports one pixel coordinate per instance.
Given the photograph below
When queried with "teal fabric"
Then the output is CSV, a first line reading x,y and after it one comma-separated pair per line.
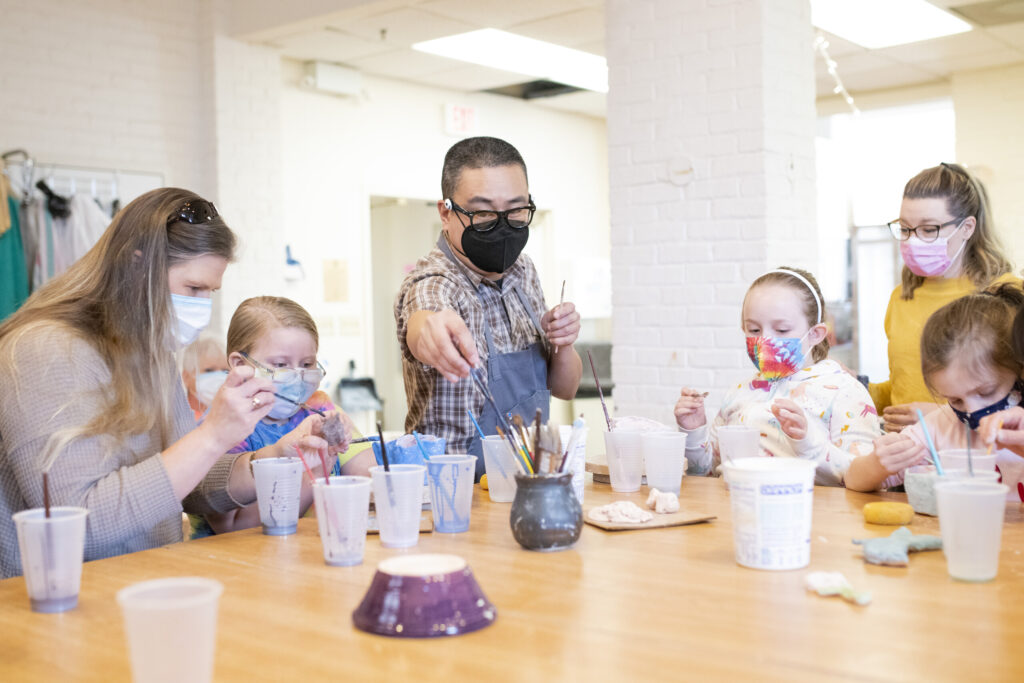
x,y
13,275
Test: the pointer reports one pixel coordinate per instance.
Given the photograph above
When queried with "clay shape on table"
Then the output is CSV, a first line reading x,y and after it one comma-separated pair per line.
x,y
663,502
892,550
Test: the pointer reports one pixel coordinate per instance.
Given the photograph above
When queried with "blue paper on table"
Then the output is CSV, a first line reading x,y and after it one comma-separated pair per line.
x,y
405,451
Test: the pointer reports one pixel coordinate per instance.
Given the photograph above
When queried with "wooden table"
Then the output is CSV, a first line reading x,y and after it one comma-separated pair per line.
x,y
637,605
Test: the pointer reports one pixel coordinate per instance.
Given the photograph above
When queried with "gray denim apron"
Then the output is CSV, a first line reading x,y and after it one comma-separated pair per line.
x,y
518,380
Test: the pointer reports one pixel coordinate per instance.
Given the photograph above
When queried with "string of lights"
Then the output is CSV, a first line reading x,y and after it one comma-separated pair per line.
x,y
821,47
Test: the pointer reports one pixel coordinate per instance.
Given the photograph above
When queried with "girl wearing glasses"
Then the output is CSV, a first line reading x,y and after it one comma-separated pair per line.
x,y
278,339
91,394
949,250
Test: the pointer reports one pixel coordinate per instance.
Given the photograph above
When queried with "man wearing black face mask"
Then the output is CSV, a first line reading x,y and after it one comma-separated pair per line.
x,y
475,301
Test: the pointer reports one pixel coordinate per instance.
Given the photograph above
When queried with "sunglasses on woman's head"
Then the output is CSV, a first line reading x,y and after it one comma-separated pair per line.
x,y
194,212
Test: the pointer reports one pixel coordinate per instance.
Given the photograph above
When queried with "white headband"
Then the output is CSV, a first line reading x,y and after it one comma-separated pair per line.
x,y
802,279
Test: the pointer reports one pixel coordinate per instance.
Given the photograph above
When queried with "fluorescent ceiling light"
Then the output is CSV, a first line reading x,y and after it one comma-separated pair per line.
x,y
884,23
519,54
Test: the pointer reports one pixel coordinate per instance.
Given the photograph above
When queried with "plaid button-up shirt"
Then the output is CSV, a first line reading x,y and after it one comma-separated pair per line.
x,y
436,406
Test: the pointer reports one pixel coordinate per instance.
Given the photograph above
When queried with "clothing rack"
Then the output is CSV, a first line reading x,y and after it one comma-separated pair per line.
x,y
108,186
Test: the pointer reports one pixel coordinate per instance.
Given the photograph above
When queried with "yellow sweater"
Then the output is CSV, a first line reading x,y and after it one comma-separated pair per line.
x,y
904,322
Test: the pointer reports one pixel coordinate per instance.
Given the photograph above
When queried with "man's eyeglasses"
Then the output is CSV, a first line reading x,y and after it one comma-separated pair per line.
x,y
285,375
482,221
925,233
195,212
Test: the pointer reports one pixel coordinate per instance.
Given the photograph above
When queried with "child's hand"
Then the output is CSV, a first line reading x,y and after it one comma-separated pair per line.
x,y
791,418
896,452
306,436
689,409
1010,435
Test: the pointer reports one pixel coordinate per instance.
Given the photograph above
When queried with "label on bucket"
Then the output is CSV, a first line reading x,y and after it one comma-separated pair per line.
x,y
772,524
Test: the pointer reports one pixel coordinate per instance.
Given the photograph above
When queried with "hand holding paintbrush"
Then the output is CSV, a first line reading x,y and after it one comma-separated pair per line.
x,y
561,324
689,409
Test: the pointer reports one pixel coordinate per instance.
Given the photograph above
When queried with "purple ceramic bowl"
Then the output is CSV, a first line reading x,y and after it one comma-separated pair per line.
x,y
423,596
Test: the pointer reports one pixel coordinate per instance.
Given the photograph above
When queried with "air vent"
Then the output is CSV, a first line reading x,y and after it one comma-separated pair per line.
x,y
993,13
534,89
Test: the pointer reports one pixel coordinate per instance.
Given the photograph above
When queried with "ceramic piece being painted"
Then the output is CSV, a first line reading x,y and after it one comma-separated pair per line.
x,y
546,515
424,596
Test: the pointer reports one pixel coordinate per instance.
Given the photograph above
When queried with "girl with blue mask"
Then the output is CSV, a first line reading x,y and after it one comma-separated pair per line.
x,y
968,361
278,339
204,369
802,404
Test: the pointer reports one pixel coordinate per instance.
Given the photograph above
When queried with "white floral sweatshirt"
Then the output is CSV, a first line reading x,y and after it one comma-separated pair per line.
x,y
841,421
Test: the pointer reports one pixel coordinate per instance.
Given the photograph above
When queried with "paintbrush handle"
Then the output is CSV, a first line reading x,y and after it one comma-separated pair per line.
x,y
600,394
301,405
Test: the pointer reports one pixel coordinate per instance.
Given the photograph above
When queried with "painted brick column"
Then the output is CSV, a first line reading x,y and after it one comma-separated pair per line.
x,y
725,87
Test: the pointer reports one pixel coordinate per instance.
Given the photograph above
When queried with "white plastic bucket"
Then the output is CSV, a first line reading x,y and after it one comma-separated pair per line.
x,y
771,511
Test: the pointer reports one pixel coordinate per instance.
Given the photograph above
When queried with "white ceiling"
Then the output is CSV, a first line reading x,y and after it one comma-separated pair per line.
x,y
375,38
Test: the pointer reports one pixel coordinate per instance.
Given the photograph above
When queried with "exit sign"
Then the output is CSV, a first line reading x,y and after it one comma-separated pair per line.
x,y
461,120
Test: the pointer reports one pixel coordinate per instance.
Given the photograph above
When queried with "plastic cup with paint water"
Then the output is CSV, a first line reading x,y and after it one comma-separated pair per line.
x,y
771,501
736,442
278,485
171,627
664,459
577,458
979,475
501,469
956,459
398,498
919,483
451,491
342,511
971,519
51,555
625,460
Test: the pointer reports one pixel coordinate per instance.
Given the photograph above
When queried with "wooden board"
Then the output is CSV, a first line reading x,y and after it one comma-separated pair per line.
x,y
681,518
426,523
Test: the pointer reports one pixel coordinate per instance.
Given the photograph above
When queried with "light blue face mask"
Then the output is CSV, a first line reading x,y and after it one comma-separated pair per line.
x,y
208,384
295,390
192,315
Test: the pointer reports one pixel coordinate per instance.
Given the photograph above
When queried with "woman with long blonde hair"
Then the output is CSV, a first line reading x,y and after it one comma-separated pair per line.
x,y
91,392
949,248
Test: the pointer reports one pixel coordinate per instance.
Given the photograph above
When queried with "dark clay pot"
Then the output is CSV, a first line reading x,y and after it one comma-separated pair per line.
x,y
546,515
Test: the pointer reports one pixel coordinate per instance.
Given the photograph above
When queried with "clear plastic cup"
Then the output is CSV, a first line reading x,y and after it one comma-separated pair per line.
x,y
625,460
398,497
971,519
451,491
342,511
278,485
956,459
664,459
51,555
501,469
577,458
171,627
736,442
771,501
919,483
979,475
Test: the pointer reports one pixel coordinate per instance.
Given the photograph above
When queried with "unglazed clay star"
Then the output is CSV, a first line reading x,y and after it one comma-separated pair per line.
x,y
892,550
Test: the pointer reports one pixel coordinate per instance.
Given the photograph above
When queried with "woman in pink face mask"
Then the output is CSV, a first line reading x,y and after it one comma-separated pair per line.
x,y
949,250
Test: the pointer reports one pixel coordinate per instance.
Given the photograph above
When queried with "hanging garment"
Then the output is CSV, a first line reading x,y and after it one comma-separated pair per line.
x,y
62,241
5,192
13,275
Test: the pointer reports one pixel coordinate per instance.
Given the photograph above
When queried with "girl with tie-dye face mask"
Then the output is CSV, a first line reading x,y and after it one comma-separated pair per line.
x,y
801,403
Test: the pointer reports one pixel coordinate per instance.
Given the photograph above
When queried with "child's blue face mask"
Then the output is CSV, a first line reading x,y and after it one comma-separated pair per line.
x,y
973,419
295,389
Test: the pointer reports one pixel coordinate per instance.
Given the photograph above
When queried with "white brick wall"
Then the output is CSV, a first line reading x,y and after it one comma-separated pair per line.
x,y
989,107
107,83
730,85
